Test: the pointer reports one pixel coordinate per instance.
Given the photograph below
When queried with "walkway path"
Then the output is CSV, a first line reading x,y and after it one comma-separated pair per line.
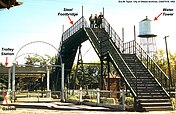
x,y
66,108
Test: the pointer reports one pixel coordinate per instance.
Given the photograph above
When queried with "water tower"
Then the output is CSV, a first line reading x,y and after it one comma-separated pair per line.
x,y
147,39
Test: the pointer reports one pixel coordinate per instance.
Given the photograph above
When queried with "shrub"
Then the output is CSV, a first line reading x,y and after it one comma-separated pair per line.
x,y
107,100
129,101
173,100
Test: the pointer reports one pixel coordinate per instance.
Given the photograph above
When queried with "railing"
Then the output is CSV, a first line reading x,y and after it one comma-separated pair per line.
x,y
32,96
133,47
129,47
100,97
119,43
112,34
81,23
73,29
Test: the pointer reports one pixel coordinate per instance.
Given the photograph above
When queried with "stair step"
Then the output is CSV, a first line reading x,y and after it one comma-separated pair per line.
x,y
152,97
141,81
146,82
143,85
139,89
156,104
145,88
148,88
144,78
158,108
152,93
137,64
154,100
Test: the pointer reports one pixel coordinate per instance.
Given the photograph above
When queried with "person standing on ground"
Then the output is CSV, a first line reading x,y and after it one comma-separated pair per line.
x,y
91,19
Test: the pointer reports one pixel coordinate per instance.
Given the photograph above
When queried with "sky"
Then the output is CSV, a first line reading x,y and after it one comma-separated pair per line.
x,y
38,20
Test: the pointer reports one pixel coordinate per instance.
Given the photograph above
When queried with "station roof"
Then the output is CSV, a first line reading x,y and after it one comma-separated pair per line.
x,y
24,71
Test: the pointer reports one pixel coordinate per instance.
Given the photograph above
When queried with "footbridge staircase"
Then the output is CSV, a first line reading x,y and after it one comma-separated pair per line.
x,y
148,84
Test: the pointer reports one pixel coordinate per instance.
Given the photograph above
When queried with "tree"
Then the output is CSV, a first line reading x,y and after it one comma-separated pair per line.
x,y
39,60
86,76
173,67
160,59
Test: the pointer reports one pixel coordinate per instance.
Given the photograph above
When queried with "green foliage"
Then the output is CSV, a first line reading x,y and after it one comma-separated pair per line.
x,y
39,60
161,60
173,100
27,82
129,101
86,76
73,97
105,100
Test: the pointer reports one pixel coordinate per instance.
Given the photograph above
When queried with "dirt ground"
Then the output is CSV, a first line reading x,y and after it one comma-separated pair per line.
x,y
67,108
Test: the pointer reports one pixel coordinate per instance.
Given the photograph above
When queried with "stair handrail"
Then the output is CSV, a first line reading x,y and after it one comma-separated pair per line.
x,y
119,43
133,92
96,39
112,34
133,47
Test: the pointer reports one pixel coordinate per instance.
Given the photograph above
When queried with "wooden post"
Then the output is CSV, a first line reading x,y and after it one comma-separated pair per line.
x,y
98,95
80,94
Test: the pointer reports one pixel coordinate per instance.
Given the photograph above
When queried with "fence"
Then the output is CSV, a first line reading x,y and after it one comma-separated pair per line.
x,y
98,96
93,96
31,96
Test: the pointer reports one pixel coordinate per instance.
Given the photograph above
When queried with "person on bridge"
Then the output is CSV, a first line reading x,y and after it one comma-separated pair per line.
x,y
100,18
96,20
91,19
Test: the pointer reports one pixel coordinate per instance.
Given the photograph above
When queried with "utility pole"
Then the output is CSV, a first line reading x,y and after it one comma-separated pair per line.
x,y
168,63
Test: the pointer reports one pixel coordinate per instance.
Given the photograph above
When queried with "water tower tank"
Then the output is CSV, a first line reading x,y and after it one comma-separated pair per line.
x,y
147,39
145,28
